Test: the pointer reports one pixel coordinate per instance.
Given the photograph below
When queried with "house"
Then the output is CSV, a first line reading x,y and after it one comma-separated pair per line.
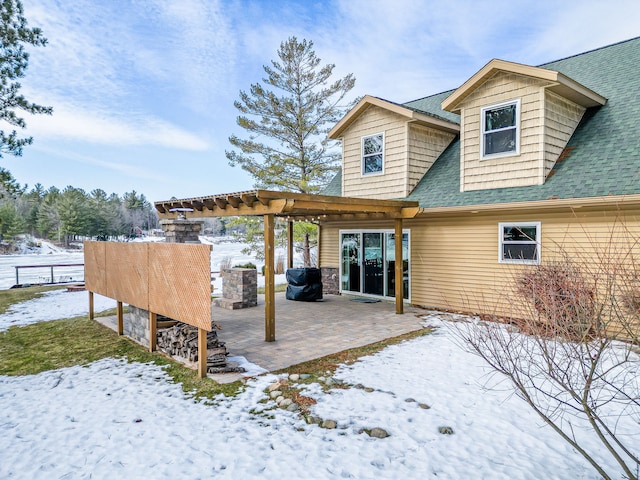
x,y
509,168
481,182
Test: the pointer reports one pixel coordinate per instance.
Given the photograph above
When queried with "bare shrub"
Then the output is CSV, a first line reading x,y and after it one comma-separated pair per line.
x,y
564,359
562,298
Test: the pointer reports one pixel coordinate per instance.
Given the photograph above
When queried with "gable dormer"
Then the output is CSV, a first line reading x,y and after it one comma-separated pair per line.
x,y
387,148
515,120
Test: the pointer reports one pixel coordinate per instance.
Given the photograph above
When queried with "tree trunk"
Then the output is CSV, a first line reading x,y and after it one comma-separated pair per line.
x,y
306,251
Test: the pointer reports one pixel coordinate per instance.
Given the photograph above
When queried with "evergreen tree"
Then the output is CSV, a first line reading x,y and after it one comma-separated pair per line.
x,y
14,35
29,206
74,213
292,110
48,221
9,186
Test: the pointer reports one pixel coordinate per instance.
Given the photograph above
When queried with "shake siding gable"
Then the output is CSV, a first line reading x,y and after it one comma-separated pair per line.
x,y
561,119
507,171
391,184
425,146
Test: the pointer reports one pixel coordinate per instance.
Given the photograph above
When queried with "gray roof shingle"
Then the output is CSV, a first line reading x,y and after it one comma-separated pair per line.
x,y
605,147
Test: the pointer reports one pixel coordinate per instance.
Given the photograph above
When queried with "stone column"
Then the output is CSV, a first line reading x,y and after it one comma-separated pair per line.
x,y
178,230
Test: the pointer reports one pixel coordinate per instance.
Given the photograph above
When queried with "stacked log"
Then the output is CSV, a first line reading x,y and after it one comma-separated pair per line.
x,y
181,340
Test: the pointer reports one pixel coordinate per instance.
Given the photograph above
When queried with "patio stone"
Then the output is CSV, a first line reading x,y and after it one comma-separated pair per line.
x,y
309,330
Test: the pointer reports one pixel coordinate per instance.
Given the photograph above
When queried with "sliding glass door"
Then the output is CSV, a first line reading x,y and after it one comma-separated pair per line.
x,y
373,263
390,267
350,262
367,261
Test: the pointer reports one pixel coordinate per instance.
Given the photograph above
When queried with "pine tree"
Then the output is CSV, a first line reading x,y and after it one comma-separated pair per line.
x,y
14,34
292,111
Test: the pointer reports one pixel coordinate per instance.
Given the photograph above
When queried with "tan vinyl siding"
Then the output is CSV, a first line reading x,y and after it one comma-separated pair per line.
x,y
391,184
454,259
561,119
455,262
508,171
425,146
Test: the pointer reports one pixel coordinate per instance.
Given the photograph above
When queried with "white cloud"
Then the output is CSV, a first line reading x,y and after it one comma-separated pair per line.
x,y
116,53
125,169
590,24
103,127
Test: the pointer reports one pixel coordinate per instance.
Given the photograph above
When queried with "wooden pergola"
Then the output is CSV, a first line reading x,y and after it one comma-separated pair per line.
x,y
292,207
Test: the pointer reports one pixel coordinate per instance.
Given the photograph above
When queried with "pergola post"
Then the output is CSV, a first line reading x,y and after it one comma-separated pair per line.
x,y
289,244
91,311
153,330
319,244
120,317
398,264
202,353
269,281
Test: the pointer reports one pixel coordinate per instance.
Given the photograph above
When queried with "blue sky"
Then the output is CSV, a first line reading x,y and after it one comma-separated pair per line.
x,y
143,90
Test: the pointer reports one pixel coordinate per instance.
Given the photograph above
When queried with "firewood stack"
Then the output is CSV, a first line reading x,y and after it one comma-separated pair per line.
x,y
181,340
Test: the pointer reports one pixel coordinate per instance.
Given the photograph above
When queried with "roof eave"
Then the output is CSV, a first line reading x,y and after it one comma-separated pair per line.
x,y
411,115
614,201
562,84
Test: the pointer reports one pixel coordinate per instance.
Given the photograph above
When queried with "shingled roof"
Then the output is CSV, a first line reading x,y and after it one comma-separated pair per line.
x,y
602,157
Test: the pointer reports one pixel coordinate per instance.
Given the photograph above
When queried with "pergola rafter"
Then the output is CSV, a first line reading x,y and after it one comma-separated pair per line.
x,y
294,206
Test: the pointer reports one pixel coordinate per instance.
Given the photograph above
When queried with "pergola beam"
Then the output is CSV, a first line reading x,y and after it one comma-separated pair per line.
x,y
296,205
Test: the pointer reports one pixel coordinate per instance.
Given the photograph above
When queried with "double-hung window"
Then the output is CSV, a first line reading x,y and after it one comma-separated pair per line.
x,y
501,129
373,154
519,242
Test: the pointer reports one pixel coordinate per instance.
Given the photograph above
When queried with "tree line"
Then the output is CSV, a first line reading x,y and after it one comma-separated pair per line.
x,y
63,215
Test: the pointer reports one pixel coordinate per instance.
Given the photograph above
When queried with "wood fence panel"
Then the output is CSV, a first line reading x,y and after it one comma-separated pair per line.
x,y
95,278
180,282
127,273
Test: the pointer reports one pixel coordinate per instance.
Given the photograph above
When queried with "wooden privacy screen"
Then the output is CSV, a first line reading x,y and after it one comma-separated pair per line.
x,y
180,282
127,272
168,279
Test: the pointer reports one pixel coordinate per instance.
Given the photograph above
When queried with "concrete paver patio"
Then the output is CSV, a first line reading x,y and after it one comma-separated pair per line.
x,y
308,330
305,330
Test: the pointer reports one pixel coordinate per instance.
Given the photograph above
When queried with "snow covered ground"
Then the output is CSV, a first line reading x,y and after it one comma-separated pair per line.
x,y
112,419
52,306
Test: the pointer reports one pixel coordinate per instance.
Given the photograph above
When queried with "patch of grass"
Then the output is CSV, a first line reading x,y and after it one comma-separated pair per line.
x,y
281,287
320,366
77,341
17,295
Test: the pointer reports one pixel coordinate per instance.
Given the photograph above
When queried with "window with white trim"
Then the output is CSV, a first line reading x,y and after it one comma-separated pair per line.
x,y
500,126
519,242
373,154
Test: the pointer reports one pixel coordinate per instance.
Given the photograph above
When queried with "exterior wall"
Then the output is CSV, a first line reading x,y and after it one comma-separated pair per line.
x,y
391,184
561,119
454,259
425,146
509,171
